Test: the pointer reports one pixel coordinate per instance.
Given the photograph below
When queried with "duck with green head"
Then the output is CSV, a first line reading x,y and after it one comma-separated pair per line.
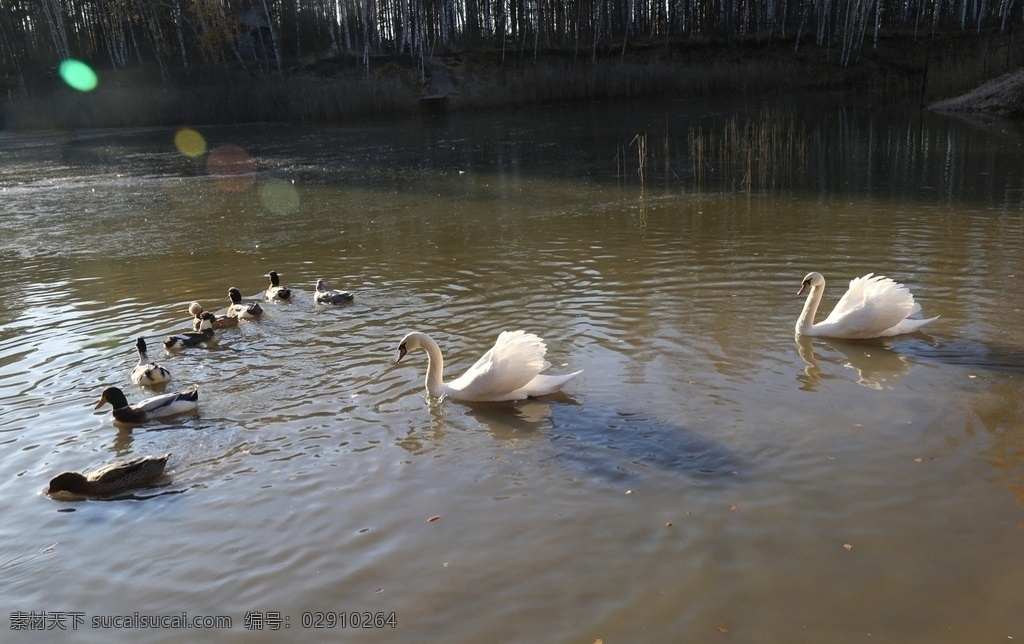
x,y
154,407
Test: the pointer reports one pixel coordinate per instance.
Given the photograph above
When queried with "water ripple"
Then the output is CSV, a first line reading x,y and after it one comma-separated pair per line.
x,y
698,440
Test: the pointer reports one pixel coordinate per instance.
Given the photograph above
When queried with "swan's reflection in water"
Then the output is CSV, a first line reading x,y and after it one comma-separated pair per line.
x,y
876,363
419,440
506,421
525,418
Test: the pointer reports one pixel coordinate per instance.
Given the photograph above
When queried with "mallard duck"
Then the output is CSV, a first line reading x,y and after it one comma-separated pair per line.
x,y
140,412
510,370
275,291
111,479
193,338
219,322
243,311
323,296
146,372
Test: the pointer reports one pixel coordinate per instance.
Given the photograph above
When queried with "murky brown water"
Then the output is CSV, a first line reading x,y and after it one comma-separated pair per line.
x,y
706,474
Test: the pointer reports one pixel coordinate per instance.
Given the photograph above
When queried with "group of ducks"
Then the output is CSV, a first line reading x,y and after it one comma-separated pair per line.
x,y
872,307
137,472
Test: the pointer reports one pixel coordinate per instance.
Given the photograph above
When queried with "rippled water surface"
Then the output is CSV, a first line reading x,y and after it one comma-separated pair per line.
x,y
706,476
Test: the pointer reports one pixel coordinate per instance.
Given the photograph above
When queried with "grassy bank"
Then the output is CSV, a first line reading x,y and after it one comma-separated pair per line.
x,y
332,90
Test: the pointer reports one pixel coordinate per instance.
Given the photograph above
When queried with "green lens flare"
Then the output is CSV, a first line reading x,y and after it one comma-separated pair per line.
x,y
78,75
279,197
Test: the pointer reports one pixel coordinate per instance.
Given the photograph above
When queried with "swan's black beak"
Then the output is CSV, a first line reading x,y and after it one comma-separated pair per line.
x,y
401,352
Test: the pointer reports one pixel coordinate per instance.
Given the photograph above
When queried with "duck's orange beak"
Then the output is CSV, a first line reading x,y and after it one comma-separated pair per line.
x,y
103,401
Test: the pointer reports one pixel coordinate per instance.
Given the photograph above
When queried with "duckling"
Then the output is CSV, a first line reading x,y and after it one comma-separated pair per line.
x,y
275,291
193,338
146,372
219,322
110,479
243,311
154,407
323,296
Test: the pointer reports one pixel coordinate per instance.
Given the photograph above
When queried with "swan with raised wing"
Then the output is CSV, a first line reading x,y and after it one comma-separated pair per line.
x,y
873,307
510,370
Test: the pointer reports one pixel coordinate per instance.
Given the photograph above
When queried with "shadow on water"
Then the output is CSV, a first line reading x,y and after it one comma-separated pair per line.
x,y
966,353
616,445
607,444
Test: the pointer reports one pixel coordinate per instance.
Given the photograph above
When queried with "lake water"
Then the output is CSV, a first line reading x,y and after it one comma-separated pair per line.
x,y
707,477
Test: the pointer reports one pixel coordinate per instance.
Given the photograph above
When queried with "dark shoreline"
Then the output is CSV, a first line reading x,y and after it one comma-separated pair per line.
x,y
334,90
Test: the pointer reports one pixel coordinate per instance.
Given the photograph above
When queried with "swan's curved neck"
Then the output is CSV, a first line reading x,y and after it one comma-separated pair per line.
x,y
806,319
435,367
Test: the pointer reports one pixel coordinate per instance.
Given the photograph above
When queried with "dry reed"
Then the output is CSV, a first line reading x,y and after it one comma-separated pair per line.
x,y
759,154
641,154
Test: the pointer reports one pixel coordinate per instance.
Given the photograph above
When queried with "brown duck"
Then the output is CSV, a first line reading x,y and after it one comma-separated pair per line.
x,y
111,479
219,322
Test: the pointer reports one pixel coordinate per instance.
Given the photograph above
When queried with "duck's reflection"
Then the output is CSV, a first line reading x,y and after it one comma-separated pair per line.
x,y
876,363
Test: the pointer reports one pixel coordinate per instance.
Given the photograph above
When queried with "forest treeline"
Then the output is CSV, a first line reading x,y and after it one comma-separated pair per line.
x,y
383,56
183,36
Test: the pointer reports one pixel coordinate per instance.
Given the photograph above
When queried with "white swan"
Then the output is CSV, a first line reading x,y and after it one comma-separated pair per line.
x,y
510,370
873,307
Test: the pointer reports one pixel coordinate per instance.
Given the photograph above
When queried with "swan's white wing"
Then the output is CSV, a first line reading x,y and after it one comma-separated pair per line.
x,y
515,359
543,385
854,296
908,326
870,307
